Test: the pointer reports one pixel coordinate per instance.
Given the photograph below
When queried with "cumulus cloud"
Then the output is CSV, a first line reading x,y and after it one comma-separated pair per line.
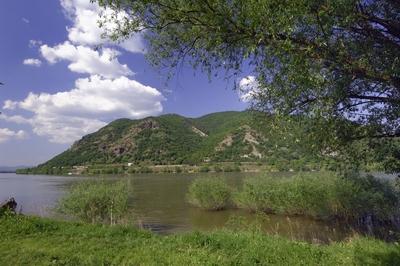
x,y
32,62
248,88
8,104
15,118
7,134
107,94
86,60
64,129
66,116
85,30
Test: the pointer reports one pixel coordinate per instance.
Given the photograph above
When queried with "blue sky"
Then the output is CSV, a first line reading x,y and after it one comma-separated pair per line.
x,y
58,87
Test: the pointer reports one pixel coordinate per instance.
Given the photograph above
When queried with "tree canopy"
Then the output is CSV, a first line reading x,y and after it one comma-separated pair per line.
x,y
335,61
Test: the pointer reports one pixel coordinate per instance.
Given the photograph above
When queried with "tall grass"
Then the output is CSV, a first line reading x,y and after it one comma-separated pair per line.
x,y
321,195
209,193
96,201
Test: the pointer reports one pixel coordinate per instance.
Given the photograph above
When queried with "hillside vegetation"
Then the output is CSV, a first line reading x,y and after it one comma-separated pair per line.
x,y
176,140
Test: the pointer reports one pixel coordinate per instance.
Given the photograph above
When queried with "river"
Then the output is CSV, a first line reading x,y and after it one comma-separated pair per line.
x,y
159,204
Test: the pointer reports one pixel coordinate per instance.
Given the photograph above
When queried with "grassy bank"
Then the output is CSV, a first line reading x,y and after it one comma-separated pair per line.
x,y
37,241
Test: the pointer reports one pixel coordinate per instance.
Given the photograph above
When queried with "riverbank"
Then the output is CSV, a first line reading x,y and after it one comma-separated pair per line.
x,y
39,241
131,168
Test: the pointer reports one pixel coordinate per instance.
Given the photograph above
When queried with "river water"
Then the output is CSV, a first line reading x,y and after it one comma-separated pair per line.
x,y
159,204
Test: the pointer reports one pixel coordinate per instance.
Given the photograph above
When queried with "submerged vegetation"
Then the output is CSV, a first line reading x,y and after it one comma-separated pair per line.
x,y
209,193
96,202
38,241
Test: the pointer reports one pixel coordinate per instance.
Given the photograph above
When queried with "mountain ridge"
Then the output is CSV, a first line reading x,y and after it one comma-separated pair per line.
x,y
172,139
165,139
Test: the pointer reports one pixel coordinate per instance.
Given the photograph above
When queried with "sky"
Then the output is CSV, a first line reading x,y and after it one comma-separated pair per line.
x,y
62,80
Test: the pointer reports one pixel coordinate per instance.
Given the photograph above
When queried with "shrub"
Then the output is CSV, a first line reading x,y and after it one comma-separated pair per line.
x,y
228,168
209,193
217,168
367,196
321,195
178,169
96,202
204,169
145,170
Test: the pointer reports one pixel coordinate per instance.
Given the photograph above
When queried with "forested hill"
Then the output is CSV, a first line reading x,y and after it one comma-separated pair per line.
x,y
174,139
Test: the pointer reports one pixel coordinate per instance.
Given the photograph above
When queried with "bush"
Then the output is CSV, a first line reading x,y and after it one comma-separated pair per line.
x,y
145,170
96,202
228,168
367,196
217,168
321,195
209,193
178,169
204,169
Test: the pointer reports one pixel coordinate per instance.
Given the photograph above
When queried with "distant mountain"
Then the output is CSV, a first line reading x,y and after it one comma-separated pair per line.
x,y
11,169
174,139
225,138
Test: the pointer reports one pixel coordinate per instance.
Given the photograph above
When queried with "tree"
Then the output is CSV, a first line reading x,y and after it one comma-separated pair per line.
x,y
336,62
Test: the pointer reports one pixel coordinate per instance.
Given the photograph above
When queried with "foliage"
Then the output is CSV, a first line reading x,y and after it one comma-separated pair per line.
x,y
168,139
230,137
96,201
38,241
209,193
204,169
336,62
322,195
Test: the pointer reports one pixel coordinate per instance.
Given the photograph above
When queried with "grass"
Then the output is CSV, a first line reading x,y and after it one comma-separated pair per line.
x,y
321,195
209,193
38,241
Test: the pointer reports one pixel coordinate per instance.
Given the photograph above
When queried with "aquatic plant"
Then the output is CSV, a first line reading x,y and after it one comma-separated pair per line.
x,y
209,193
96,201
321,195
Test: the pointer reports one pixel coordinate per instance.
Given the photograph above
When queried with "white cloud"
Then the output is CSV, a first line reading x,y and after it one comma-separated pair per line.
x,y
134,44
66,116
7,134
85,30
25,20
15,118
249,88
107,94
32,62
8,104
64,129
35,43
86,60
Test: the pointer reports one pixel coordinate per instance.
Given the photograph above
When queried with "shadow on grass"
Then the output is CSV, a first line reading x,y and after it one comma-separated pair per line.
x,y
366,255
